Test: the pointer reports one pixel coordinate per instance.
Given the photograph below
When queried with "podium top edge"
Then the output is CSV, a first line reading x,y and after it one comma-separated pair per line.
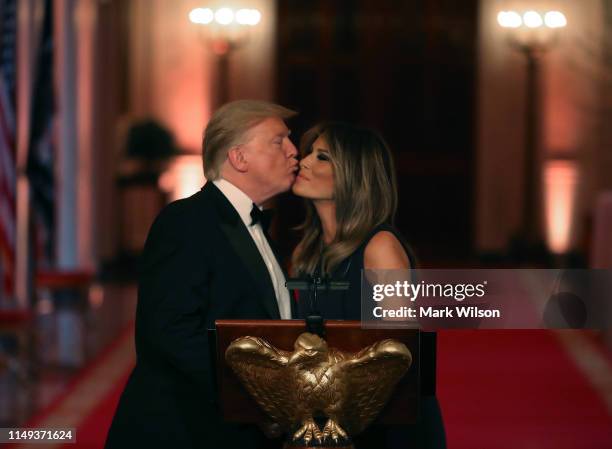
x,y
284,323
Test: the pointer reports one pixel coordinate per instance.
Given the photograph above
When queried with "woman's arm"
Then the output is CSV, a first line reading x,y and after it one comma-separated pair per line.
x,y
385,252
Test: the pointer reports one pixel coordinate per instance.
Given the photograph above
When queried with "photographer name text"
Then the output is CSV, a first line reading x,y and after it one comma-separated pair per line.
x,y
433,312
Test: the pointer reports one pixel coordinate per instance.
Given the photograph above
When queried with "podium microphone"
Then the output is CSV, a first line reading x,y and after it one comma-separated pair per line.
x,y
315,323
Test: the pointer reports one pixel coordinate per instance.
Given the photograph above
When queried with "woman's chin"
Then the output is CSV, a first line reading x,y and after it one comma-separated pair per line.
x,y
297,191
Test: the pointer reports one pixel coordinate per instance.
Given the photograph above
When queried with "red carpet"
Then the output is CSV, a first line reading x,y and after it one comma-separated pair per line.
x,y
89,402
517,389
93,429
497,389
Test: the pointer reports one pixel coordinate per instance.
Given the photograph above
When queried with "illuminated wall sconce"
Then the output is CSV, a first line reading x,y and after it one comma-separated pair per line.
x,y
532,29
560,190
228,29
225,30
531,33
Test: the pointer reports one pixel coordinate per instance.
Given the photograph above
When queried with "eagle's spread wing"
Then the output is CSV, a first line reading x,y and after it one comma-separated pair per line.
x,y
261,369
371,375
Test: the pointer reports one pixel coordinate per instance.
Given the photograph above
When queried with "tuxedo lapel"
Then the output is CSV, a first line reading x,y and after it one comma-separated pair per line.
x,y
241,241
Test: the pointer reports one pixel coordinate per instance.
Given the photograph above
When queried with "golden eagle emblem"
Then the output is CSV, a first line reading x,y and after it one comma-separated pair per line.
x,y
315,381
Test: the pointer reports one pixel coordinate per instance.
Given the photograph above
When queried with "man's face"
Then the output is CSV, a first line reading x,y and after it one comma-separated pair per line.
x,y
271,157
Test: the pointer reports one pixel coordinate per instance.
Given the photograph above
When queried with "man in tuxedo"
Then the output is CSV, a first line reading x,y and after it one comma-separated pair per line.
x,y
206,257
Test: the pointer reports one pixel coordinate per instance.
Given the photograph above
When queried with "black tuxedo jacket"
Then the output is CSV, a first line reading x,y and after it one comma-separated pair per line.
x,y
199,264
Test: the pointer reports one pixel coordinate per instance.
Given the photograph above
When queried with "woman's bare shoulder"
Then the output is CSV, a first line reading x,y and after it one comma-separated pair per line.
x,y
385,252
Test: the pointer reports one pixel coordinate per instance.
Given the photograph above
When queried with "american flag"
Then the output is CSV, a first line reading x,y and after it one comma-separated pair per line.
x,y
8,32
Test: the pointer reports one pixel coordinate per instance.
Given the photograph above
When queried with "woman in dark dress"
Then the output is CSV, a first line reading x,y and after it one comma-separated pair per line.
x,y
348,180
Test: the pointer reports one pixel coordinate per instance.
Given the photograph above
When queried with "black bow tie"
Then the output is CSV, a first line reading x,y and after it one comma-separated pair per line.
x,y
261,216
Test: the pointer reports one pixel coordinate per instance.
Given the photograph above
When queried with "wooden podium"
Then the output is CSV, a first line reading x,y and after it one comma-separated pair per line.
x,y
236,404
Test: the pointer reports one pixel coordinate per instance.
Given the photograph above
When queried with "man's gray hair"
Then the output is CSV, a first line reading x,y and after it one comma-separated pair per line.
x,y
228,126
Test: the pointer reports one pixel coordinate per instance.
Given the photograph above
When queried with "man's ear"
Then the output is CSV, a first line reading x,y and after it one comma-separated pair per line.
x,y
237,158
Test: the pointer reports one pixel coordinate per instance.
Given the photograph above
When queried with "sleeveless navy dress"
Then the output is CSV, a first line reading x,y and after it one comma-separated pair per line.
x,y
428,432
346,304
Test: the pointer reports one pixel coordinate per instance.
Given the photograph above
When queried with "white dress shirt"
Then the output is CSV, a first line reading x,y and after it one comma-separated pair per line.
x,y
243,205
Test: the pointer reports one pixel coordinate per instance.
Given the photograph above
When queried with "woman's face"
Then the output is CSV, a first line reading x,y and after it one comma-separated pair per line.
x,y
315,179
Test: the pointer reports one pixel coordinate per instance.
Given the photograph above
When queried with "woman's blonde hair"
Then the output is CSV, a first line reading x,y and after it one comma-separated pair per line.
x,y
228,127
365,194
